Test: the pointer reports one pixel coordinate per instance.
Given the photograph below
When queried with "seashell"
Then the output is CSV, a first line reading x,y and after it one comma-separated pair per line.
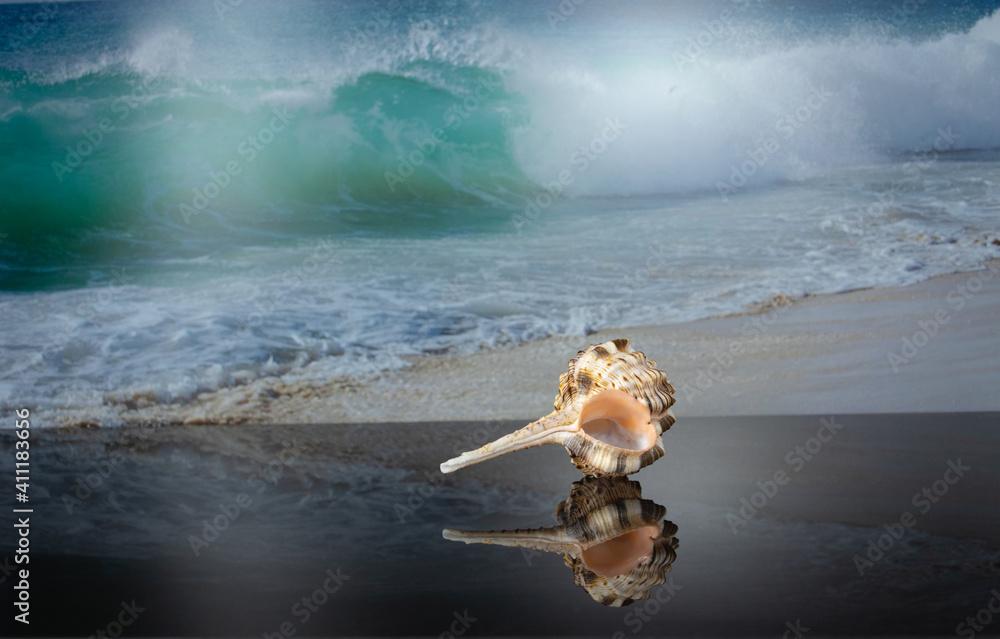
x,y
618,545
613,405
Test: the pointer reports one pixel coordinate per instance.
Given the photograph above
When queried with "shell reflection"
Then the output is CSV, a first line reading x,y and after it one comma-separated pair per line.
x,y
618,545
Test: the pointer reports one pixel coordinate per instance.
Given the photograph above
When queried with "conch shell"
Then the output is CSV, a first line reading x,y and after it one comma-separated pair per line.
x,y
613,405
617,544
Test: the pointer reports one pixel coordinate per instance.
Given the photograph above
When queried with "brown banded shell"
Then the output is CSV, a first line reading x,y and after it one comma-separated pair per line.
x,y
617,544
613,404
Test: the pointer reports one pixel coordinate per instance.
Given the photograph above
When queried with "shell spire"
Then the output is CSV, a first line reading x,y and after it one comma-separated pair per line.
x,y
612,407
546,430
545,539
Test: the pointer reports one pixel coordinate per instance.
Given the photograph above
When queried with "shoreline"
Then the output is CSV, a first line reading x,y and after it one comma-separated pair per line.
x,y
925,347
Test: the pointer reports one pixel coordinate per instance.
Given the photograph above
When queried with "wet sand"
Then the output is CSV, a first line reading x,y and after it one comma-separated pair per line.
x,y
929,347
222,530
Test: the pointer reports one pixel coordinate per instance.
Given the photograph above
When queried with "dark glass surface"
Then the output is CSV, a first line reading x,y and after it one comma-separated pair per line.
x,y
224,530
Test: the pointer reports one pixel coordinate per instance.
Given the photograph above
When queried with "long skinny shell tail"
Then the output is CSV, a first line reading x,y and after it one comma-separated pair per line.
x,y
555,539
534,434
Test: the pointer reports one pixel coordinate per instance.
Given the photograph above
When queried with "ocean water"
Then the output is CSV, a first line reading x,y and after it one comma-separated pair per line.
x,y
194,195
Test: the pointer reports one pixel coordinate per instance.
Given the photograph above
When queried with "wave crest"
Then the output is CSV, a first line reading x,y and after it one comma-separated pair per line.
x,y
454,117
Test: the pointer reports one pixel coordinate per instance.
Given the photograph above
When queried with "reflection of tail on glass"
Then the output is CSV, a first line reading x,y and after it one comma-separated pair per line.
x,y
618,544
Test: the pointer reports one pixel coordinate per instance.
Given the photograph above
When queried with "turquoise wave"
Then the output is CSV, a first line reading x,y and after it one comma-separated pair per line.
x,y
144,130
115,150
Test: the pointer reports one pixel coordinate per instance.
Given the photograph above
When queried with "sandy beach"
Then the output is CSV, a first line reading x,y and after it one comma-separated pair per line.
x,y
928,347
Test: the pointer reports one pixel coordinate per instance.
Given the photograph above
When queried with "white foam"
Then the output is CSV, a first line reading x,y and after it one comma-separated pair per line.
x,y
690,124
163,51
